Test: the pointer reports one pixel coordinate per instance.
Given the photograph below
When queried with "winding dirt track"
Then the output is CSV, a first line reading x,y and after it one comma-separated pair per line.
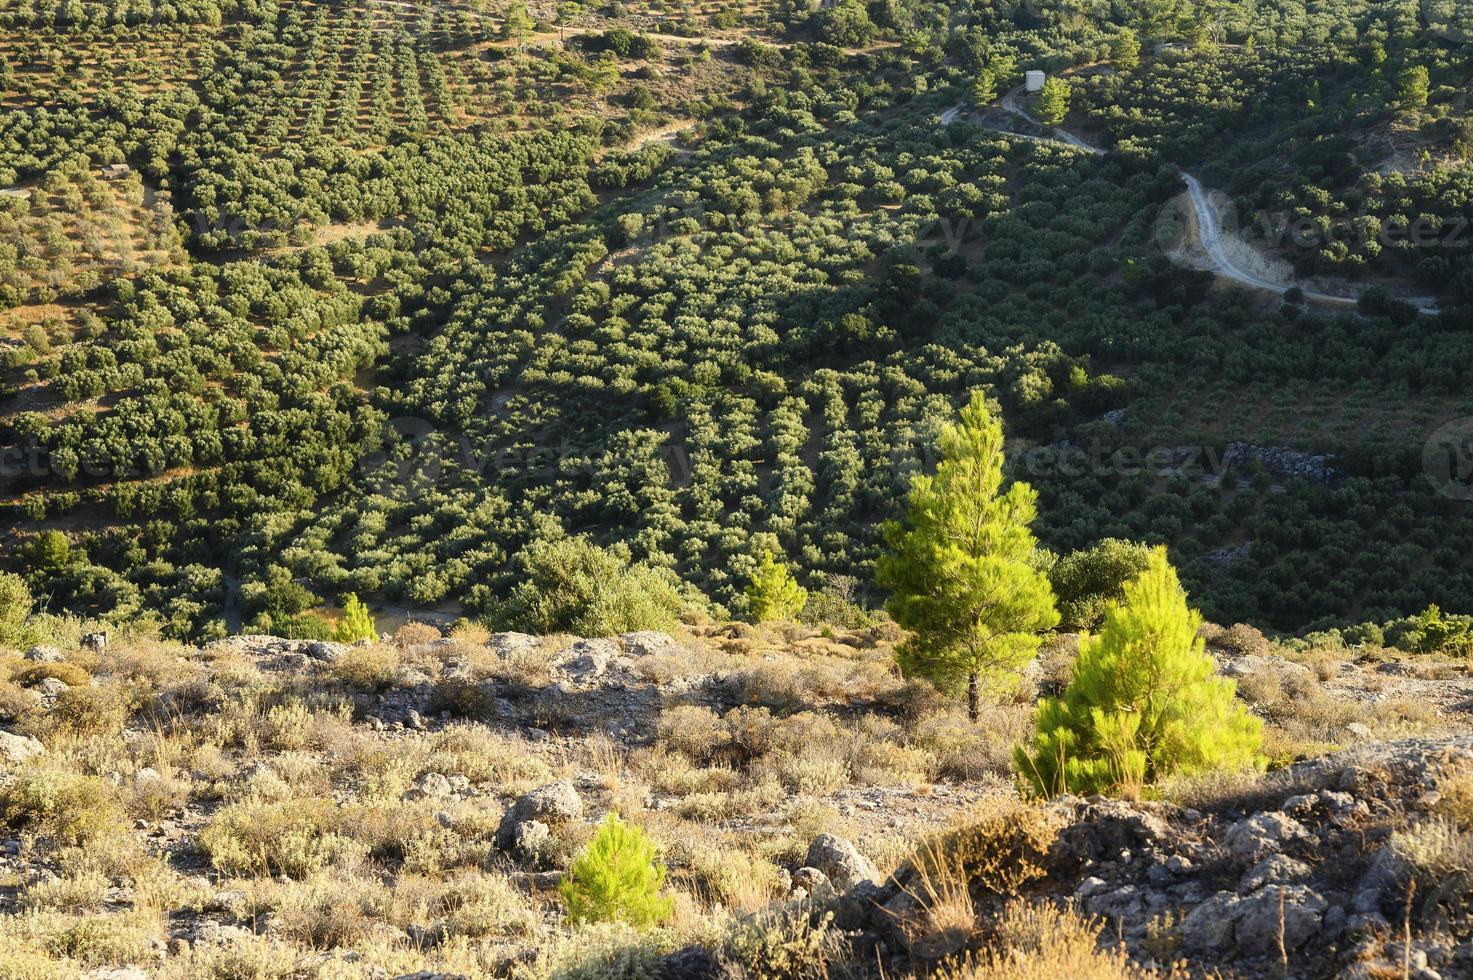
x,y
1210,233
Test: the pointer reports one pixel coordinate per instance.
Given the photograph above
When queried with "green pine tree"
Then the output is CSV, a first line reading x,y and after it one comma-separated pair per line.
x,y
357,622
1125,50
518,25
616,877
1413,87
1145,702
984,89
1053,101
960,567
774,593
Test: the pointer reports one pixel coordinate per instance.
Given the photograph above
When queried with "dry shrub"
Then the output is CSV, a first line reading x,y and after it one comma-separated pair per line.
x,y
695,732
84,890
478,906
255,957
295,838
1000,848
1455,797
62,805
483,756
413,634
16,702
879,763
86,711
675,774
718,872
368,668
912,700
1045,942
964,751
471,634
158,794
943,919
809,773
323,912
1436,848
111,940
788,942
70,674
1323,664
1245,640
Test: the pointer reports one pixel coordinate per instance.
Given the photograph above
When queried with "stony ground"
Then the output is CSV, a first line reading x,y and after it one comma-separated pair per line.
x,y
274,808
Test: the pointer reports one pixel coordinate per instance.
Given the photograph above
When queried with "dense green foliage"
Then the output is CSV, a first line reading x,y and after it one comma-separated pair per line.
x,y
357,622
15,607
572,585
961,569
405,292
1145,702
1086,582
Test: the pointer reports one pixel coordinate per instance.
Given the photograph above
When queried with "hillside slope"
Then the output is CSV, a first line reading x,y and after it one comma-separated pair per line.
x,y
282,808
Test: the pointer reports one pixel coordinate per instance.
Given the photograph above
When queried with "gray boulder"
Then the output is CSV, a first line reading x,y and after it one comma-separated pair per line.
x,y
1262,834
841,862
1290,912
18,748
1275,869
1208,928
549,805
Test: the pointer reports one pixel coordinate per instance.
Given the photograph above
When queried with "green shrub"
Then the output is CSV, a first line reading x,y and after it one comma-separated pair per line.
x,y
15,606
616,878
774,593
357,622
572,585
1144,703
1086,582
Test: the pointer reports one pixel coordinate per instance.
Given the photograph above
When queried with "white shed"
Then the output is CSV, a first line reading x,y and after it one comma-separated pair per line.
x,y
1033,81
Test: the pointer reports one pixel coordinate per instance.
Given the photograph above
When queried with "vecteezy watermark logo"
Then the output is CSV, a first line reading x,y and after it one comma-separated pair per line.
x,y
1447,459
1451,20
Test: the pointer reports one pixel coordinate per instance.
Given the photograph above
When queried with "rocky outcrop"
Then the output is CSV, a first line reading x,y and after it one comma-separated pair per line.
x,y
526,827
617,685
1298,868
1314,467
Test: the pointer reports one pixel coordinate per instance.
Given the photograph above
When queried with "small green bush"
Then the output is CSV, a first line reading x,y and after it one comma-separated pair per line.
x,y
1144,703
15,606
1086,582
774,593
357,622
616,878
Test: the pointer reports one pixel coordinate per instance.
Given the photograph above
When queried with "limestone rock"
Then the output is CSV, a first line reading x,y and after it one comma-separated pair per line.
x,y
548,805
841,862
1255,838
18,748
1274,869
1291,911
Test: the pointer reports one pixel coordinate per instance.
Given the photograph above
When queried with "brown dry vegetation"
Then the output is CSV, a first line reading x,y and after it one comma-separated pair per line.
x,y
234,812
